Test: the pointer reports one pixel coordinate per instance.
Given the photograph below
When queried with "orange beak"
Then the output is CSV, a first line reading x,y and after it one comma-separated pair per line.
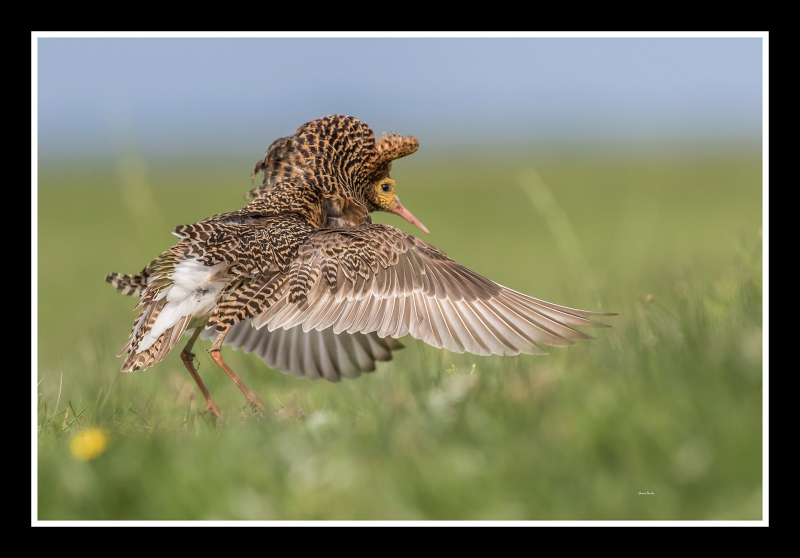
x,y
406,214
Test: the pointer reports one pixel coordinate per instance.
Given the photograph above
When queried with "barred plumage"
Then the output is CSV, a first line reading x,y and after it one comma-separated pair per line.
x,y
228,268
394,284
338,156
301,277
128,284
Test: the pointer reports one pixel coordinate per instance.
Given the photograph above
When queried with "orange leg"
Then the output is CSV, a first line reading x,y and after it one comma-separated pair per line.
x,y
188,361
216,354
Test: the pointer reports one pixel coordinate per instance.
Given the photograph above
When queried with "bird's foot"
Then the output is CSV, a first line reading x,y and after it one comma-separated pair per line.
x,y
256,406
211,406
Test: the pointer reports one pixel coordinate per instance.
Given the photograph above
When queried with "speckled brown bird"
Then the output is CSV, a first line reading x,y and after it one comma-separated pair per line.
x,y
331,173
302,277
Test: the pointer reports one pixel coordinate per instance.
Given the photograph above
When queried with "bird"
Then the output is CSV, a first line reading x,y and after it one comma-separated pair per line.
x,y
330,173
303,278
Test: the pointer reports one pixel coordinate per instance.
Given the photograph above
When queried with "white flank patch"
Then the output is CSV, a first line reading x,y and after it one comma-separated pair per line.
x,y
191,294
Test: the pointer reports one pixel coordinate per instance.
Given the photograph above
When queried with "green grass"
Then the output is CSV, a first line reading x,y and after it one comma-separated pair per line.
x,y
669,401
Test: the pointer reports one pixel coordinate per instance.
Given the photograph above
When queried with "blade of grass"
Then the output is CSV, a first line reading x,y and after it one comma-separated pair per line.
x,y
126,412
60,383
77,416
103,404
44,417
138,415
557,221
73,412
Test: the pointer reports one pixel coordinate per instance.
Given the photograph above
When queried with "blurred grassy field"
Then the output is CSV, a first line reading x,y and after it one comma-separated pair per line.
x,y
668,402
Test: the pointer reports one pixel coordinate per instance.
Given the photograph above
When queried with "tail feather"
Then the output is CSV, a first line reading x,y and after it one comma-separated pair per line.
x,y
128,284
158,350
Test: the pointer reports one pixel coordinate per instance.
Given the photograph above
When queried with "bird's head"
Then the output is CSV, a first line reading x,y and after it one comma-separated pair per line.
x,y
382,196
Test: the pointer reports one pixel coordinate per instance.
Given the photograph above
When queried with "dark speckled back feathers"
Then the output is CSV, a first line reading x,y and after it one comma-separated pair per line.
x,y
337,155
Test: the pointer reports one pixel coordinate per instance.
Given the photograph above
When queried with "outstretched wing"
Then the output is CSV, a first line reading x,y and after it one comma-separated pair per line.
x,y
377,278
311,354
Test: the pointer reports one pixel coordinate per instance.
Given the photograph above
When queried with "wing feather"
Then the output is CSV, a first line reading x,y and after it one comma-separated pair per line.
x,y
389,284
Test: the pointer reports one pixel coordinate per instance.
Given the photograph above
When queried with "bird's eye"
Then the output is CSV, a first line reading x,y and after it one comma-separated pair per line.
x,y
386,187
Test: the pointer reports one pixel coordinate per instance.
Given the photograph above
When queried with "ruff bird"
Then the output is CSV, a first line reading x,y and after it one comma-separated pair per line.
x,y
304,279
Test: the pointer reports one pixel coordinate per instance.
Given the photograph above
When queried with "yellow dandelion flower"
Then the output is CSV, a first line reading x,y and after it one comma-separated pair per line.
x,y
88,444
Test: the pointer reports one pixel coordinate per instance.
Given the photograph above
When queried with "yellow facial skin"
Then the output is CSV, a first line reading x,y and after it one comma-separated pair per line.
x,y
386,195
385,199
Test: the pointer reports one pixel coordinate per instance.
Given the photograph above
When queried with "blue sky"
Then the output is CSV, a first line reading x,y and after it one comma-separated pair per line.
x,y
225,95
